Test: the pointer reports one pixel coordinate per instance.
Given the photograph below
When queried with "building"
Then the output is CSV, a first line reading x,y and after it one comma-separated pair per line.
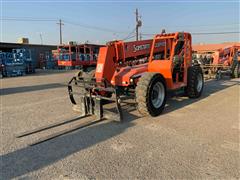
x,y
36,50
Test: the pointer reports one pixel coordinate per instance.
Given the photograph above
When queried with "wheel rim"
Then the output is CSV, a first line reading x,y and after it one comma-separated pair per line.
x,y
158,94
199,82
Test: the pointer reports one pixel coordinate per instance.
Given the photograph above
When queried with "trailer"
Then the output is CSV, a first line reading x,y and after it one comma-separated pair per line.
x,y
78,56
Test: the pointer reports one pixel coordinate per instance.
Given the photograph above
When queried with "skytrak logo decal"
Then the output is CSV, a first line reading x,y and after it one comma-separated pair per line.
x,y
141,47
146,46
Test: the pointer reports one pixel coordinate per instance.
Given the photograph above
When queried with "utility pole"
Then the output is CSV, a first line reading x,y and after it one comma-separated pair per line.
x,y
40,34
138,24
60,30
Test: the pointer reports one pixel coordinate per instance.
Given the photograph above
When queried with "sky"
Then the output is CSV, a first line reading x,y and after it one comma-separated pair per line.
x,y
103,21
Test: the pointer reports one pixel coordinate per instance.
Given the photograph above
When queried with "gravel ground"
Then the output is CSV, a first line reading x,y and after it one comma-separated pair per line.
x,y
192,139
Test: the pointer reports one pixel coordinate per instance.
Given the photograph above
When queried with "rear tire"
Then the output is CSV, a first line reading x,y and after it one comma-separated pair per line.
x,y
195,82
151,94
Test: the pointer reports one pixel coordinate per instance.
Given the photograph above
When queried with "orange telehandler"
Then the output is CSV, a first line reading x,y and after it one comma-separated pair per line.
x,y
225,61
144,70
229,58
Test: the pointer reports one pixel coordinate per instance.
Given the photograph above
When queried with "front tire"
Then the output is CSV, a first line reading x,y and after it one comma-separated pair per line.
x,y
151,94
195,82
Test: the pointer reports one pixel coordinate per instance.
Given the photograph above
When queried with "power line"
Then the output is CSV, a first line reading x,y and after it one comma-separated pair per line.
x,y
111,30
49,19
94,27
123,1
23,19
127,37
67,22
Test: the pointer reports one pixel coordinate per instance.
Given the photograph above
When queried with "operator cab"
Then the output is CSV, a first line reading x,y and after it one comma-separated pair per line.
x,y
171,55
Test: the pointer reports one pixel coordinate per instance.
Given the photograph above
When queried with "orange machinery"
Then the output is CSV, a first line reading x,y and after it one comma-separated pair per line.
x,y
226,55
83,55
225,61
143,70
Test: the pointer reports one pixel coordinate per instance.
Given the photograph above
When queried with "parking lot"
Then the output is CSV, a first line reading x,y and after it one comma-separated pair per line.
x,y
192,139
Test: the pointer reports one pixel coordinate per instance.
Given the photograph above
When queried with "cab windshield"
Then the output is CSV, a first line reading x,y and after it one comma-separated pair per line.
x,y
162,50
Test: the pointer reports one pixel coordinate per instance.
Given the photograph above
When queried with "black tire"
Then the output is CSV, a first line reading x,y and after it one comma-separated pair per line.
x,y
218,75
236,71
144,94
195,76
